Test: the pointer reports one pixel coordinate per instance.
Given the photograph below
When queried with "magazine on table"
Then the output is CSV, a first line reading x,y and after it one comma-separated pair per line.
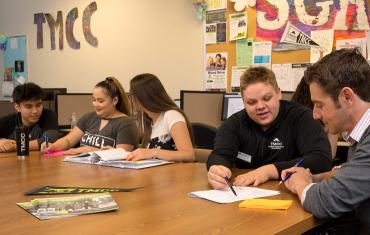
x,y
114,158
60,207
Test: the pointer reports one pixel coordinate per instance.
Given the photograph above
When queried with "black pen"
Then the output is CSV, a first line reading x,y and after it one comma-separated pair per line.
x,y
231,187
287,176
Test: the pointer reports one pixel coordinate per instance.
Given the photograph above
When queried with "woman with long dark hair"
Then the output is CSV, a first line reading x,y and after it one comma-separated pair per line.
x,y
165,130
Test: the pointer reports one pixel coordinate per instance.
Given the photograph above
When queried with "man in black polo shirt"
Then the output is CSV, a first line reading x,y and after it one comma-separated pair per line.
x,y
27,100
270,135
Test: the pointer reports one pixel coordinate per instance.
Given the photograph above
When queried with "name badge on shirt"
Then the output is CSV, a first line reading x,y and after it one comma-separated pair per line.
x,y
245,157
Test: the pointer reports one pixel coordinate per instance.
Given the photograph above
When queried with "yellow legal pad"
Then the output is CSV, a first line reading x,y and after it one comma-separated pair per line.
x,y
266,204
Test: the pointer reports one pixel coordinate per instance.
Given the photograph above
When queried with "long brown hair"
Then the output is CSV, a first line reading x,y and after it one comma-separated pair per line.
x,y
114,89
302,94
148,90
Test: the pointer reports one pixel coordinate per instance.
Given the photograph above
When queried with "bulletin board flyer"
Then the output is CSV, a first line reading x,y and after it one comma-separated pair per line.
x,y
216,71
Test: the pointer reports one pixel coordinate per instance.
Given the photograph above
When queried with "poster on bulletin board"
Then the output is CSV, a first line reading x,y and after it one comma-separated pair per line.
x,y
215,31
15,64
216,72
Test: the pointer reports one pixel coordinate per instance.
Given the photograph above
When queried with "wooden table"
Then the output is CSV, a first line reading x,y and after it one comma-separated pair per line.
x,y
162,206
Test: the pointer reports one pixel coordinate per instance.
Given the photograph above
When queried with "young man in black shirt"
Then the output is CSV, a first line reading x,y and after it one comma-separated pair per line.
x,y
270,135
27,100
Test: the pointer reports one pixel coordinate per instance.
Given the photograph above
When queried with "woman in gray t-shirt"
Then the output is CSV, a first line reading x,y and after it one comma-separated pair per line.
x,y
110,124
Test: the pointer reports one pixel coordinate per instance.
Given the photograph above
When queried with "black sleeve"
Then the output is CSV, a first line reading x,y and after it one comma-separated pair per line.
x,y
226,144
312,143
7,125
49,124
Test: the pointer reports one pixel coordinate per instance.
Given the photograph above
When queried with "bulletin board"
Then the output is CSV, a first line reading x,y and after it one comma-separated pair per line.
x,y
277,57
14,65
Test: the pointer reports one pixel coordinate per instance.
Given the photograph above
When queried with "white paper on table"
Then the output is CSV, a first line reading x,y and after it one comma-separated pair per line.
x,y
112,154
227,196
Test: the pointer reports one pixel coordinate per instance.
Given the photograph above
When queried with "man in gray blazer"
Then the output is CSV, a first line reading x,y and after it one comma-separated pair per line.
x,y
340,91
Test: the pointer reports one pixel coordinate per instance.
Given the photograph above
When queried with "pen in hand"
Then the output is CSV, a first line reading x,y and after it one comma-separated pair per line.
x,y
231,187
46,142
287,176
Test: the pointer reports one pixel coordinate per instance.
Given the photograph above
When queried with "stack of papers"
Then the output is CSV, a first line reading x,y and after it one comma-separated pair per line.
x,y
113,158
135,164
50,208
227,196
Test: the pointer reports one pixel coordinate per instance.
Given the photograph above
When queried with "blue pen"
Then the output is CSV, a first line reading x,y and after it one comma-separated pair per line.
x,y
287,176
46,142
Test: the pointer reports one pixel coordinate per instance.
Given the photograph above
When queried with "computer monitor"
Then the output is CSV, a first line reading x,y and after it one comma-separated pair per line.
x,y
66,104
6,108
50,93
49,99
287,95
231,104
202,106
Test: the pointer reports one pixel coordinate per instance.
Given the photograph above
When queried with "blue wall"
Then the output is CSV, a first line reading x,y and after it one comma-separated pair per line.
x,y
18,53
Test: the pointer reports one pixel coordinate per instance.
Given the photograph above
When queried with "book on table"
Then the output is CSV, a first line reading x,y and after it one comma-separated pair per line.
x,y
114,158
60,207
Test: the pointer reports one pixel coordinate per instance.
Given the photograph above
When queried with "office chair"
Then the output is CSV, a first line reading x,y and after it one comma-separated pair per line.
x,y
201,155
204,135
